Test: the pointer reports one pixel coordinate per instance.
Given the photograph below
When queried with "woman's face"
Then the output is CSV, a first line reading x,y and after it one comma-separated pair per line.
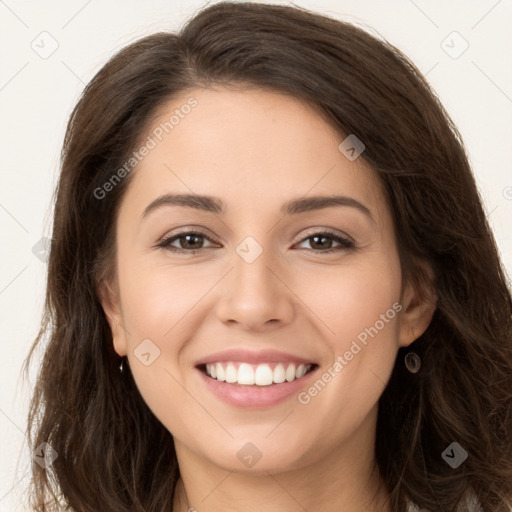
x,y
282,282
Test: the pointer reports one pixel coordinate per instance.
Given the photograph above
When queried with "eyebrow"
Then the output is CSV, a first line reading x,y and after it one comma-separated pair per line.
x,y
215,205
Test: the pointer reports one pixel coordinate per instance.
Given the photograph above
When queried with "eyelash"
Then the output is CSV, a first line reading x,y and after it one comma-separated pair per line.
x,y
345,243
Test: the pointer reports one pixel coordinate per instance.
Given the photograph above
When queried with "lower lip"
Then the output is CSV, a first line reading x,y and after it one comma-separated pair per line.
x,y
255,396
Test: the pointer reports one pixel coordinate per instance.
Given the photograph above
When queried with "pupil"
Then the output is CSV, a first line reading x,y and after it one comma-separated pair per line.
x,y
317,237
197,245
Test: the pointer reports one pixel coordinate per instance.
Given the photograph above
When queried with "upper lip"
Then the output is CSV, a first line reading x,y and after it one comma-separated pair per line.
x,y
243,355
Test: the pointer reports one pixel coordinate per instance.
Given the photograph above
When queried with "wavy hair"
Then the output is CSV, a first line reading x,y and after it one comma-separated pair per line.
x,y
113,454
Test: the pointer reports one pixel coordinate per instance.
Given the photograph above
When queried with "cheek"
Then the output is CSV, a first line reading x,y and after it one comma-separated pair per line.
x,y
349,298
156,299
155,311
359,307
161,304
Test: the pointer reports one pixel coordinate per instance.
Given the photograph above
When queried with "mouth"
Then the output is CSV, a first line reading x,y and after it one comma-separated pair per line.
x,y
256,375
254,379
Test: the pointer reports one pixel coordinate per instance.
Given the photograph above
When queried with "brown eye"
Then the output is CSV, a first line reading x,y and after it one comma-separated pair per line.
x,y
191,241
187,242
323,242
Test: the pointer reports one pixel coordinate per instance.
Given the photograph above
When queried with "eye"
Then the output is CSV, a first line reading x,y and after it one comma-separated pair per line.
x,y
189,241
323,241
193,241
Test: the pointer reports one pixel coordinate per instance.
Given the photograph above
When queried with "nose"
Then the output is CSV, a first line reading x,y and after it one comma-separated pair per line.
x,y
255,295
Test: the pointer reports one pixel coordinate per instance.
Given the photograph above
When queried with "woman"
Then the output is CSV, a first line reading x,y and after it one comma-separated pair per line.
x,y
271,284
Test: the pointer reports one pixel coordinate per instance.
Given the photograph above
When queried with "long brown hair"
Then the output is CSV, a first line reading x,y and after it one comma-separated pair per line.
x,y
113,454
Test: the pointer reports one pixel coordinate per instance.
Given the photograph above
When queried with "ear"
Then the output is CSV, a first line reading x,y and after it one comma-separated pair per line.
x,y
109,297
418,307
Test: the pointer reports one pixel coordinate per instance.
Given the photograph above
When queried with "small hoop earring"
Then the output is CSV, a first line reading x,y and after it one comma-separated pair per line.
x,y
412,362
121,366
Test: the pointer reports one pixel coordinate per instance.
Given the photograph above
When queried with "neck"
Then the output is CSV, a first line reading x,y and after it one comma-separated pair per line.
x,y
345,479
284,491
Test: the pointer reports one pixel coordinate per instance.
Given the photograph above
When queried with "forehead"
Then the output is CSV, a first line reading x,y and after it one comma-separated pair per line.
x,y
251,146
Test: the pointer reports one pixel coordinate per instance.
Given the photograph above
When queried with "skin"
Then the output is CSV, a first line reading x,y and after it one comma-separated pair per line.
x,y
255,150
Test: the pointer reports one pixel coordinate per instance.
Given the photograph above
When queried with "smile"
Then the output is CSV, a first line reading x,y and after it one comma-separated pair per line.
x,y
264,374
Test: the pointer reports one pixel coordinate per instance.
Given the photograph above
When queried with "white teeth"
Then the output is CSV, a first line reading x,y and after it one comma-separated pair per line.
x,y
259,375
231,373
211,370
290,373
264,375
301,371
279,375
245,374
220,372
